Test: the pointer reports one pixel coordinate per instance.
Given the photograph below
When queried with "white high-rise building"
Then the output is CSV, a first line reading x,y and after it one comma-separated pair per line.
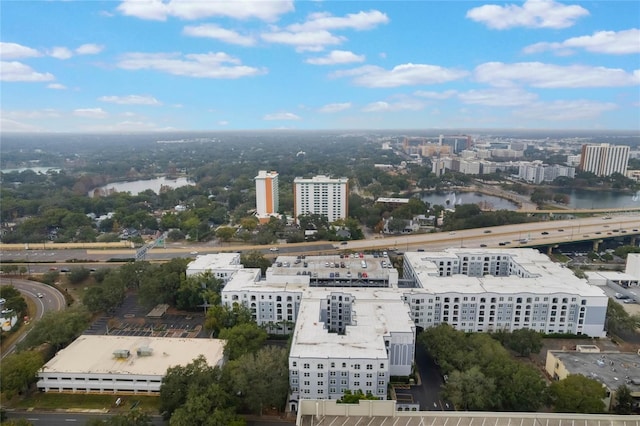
x,y
267,195
604,159
321,195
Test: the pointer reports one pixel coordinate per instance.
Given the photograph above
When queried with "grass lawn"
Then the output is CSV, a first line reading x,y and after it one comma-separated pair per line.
x,y
50,401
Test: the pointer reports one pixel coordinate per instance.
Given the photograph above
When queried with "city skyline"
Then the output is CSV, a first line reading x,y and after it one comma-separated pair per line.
x,y
191,66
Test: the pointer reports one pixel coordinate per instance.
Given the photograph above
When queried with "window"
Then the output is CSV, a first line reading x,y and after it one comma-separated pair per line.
x,y
369,367
306,365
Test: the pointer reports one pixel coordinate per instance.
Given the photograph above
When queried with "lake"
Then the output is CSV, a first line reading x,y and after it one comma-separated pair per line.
x,y
448,199
585,199
137,186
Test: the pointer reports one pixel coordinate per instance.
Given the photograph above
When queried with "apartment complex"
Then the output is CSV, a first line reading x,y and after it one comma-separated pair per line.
x,y
267,195
536,172
321,195
489,290
354,320
604,159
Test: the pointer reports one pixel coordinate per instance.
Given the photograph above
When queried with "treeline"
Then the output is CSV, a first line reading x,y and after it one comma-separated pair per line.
x,y
482,375
469,216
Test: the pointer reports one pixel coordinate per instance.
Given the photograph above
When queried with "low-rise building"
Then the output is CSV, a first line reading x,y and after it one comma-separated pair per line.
x,y
612,369
221,265
122,364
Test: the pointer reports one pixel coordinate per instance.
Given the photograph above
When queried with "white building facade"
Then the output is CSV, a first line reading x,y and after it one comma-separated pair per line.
x,y
604,159
321,195
478,290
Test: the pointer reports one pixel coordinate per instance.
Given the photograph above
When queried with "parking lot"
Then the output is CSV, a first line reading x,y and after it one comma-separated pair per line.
x,y
130,320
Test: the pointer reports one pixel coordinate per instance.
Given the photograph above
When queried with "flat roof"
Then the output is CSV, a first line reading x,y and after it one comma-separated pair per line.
x,y
612,369
546,277
214,262
94,354
375,313
322,267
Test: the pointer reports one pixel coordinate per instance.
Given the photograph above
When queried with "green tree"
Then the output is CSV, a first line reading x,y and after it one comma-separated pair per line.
x,y
259,379
618,319
255,259
225,233
180,379
623,400
577,394
14,300
19,371
470,390
242,339
58,328
352,397
78,275
524,341
224,316
134,417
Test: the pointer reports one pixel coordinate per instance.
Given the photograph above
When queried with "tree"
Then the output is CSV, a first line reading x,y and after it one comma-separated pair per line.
x,y
255,259
134,417
179,379
259,379
618,320
524,341
13,300
624,400
577,394
19,371
58,328
77,275
470,390
242,339
350,397
224,316
225,233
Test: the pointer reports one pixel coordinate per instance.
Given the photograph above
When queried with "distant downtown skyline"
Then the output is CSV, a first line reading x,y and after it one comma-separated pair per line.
x,y
157,65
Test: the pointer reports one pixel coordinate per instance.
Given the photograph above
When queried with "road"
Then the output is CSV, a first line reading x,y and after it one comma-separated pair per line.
x,y
557,232
66,419
51,300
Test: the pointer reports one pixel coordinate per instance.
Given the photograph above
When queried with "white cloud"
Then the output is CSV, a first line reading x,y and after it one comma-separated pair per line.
x,y
304,40
404,105
565,110
551,76
17,71
337,57
131,100
9,125
223,123
281,116
357,21
160,10
60,52
532,14
89,49
401,75
215,32
337,107
17,51
207,65
498,97
36,114
435,95
56,86
609,42
90,113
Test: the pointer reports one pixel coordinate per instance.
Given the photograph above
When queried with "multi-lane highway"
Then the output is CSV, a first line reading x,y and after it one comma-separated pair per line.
x,y
549,232
45,298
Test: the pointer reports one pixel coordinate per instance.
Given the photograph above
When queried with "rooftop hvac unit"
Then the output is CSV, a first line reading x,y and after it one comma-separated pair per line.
x,y
144,351
121,353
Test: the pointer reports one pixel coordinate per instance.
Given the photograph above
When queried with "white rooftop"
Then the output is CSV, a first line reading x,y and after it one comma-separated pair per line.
x,y
94,355
375,313
547,277
214,262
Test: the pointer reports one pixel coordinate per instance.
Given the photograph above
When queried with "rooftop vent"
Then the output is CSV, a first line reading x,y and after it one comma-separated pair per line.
x,y
144,351
121,353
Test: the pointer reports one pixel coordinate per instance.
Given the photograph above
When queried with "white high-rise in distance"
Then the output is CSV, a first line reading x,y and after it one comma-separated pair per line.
x,y
604,159
321,195
267,195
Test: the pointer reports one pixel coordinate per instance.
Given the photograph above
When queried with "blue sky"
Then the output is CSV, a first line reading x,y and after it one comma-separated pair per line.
x,y
94,66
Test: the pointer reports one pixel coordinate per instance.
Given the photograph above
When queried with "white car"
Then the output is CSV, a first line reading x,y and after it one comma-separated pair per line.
x,y
40,295
273,249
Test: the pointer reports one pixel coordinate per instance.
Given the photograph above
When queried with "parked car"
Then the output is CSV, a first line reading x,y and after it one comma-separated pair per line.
x,y
273,249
